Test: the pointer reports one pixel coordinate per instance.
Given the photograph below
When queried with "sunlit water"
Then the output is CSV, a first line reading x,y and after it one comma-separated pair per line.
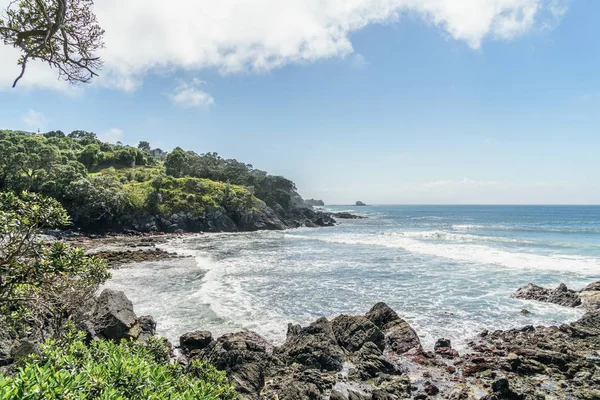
x,y
448,270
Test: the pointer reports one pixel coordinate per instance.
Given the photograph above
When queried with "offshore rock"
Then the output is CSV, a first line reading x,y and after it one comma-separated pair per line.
x,y
561,295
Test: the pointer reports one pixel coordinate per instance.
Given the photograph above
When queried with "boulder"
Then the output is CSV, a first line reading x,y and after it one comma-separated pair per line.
x,y
590,296
114,318
244,356
353,331
444,348
314,346
196,340
147,326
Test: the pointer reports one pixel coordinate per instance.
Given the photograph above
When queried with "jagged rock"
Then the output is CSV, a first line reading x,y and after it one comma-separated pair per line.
x,y
444,348
244,356
114,318
314,346
147,326
399,336
335,395
370,362
561,295
353,331
196,340
300,385
381,315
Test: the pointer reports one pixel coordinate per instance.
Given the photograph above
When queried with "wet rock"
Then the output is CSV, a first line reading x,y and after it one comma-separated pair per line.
x,y
347,215
381,314
561,295
147,326
400,337
114,318
300,385
590,296
370,362
244,356
335,395
444,348
196,340
353,331
314,346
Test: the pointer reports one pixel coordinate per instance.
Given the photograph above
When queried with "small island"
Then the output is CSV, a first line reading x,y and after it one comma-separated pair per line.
x,y
360,203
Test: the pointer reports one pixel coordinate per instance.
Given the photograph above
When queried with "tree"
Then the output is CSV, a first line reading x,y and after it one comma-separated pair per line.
x,y
79,134
41,285
144,146
175,163
63,33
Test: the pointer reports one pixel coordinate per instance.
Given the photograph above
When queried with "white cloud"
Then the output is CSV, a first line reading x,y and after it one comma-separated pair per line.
x,y
112,135
34,119
239,35
189,95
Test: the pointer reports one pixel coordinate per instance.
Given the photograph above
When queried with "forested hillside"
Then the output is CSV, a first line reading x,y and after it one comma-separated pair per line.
x,y
114,187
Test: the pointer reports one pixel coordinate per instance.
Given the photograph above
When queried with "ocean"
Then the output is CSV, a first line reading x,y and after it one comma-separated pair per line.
x,y
447,270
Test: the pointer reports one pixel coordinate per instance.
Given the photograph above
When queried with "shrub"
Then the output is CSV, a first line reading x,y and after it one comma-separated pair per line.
x,y
69,369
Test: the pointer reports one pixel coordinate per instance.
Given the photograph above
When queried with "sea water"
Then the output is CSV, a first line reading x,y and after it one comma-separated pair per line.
x,y
447,270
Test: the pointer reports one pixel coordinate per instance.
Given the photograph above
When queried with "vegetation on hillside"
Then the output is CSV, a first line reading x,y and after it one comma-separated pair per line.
x,y
101,185
45,290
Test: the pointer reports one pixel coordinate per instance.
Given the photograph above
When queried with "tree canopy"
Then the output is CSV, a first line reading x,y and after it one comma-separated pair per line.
x,y
62,33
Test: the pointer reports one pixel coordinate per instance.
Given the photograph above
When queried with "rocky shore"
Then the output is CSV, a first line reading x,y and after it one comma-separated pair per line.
x,y
587,298
376,356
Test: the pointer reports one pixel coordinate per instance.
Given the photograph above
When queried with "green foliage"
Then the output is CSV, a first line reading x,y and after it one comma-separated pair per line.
x,y
103,185
61,33
47,283
69,369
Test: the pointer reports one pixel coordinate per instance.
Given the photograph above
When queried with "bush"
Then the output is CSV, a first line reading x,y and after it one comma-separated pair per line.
x,y
69,369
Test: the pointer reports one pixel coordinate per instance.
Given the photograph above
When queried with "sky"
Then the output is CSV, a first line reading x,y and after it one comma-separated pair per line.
x,y
384,101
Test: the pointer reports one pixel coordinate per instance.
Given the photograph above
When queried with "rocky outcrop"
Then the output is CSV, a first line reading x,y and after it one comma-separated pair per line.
x,y
347,215
114,318
196,340
353,331
588,298
400,337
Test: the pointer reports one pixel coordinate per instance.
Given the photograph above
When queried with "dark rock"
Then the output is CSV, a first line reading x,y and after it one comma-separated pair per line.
x,y
352,332
23,349
335,395
431,390
370,362
314,346
381,315
114,318
148,327
196,340
444,348
244,356
346,215
308,384
501,386
354,395
561,295
400,337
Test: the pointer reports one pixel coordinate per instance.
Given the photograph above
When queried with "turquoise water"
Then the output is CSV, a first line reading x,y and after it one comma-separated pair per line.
x,y
448,270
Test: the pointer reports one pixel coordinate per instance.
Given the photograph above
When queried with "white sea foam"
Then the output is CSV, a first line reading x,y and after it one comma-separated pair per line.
x,y
472,253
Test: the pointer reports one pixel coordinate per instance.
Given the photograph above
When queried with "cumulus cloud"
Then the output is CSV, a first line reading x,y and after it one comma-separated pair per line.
x,y
189,95
232,36
112,135
34,119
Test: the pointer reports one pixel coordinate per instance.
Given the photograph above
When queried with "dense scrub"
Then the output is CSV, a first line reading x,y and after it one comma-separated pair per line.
x,y
45,294
103,186
68,368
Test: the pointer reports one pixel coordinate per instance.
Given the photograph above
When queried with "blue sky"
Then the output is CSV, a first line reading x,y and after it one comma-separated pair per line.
x,y
419,105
